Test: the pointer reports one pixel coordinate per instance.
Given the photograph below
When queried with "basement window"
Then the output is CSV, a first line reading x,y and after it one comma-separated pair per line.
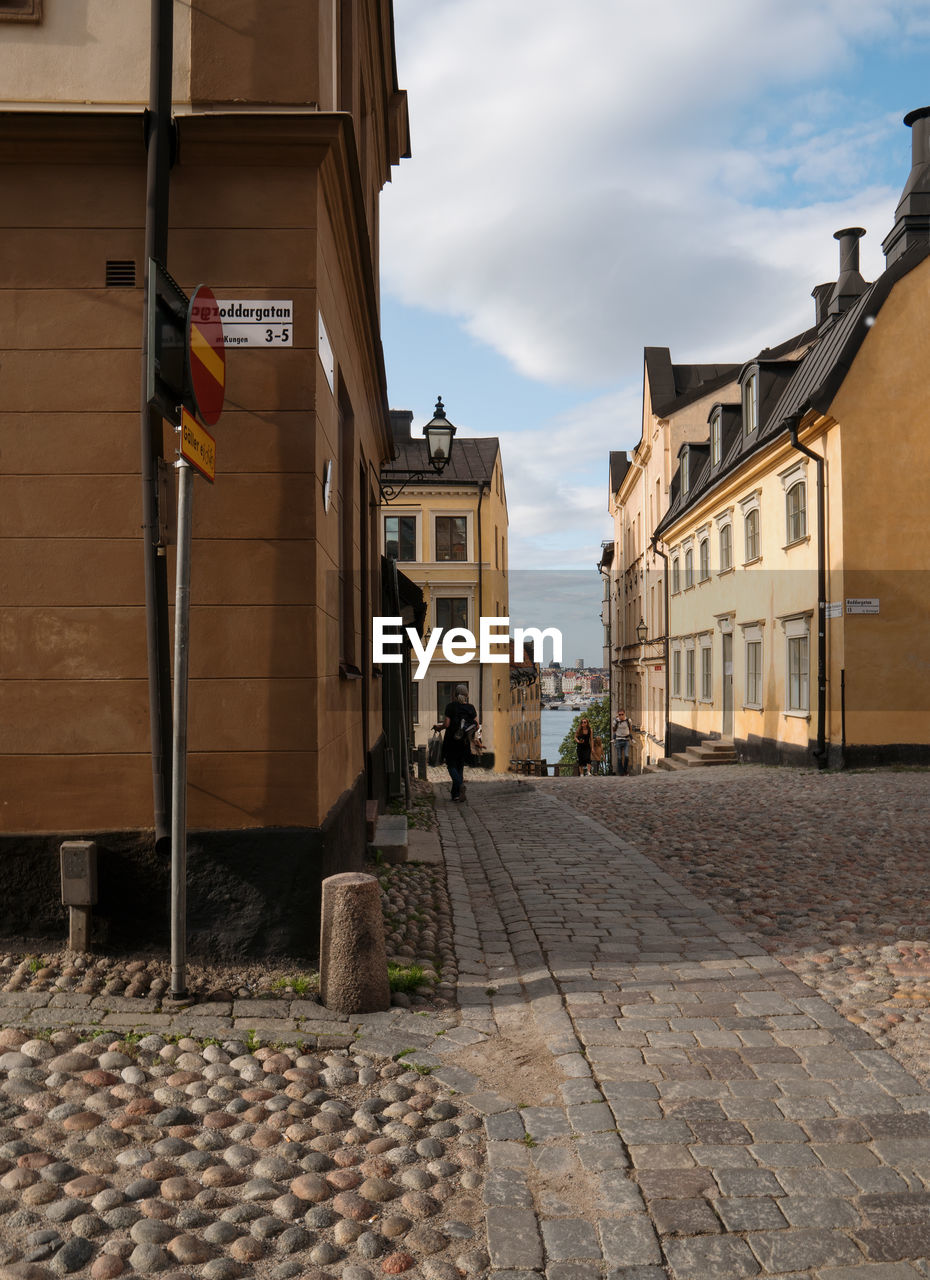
x,y
20,10
120,274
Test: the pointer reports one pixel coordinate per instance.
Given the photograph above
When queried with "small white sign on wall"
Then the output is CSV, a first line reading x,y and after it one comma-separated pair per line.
x,y
834,609
862,604
327,359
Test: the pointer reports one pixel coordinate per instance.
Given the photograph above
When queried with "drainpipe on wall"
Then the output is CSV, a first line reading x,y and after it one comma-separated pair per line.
x,y
481,485
654,543
820,754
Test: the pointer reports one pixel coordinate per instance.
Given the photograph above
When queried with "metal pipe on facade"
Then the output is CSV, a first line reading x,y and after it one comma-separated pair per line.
x,y
820,754
158,145
179,745
654,543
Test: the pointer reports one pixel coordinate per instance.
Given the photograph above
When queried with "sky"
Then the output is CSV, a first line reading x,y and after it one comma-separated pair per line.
x,y
590,179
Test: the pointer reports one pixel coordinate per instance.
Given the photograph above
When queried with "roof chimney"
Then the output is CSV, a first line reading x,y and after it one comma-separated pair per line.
x,y
821,295
401,422
912,216
850,284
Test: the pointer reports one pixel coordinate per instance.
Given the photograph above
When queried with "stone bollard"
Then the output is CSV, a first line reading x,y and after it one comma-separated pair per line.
x,y
353,960
422,775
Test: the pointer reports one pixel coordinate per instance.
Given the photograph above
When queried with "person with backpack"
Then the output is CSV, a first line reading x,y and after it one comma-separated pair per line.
x,y
461,726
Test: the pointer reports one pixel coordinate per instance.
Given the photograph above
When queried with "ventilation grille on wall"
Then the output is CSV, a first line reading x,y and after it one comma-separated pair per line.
x,y
121,275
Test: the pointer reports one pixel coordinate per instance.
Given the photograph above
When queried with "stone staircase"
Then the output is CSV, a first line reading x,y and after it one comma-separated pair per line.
x,y
711,751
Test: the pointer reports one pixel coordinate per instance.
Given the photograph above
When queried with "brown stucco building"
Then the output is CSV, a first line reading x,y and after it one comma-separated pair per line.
x,y
288,121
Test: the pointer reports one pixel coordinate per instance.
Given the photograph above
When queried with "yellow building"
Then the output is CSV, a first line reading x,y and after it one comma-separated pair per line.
x,y
796,531
449,535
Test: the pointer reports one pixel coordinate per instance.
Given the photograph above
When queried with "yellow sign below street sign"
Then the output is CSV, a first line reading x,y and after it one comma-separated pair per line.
x,y
198,446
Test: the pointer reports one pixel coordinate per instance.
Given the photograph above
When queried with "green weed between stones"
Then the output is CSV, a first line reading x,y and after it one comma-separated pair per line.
x,y
405,977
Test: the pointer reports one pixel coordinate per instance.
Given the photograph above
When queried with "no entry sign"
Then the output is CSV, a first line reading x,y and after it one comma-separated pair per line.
x,y
206,354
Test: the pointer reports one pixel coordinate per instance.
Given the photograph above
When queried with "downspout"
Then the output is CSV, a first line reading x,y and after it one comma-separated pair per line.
x,y
654,543
609,629
480,485
820,754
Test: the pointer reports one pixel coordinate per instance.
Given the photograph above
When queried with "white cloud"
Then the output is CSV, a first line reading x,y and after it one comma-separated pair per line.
x,y
591,178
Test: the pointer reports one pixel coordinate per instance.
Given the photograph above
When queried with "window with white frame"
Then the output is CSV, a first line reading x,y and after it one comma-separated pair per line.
x,y
707,669
689,568
689,671
715,439
797,666
676,575
752,690
704,559
684,467
750,404
676,671
726,546
752,524
796,512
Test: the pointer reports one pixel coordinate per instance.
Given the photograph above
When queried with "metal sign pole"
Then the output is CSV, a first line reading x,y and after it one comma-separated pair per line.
x,y
179,740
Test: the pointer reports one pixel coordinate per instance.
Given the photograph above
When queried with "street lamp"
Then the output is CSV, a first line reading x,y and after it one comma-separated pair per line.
x,y
440,434
642,631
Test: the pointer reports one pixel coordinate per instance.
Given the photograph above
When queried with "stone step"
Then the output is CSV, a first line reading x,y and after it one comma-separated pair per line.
x,y
671,763
391,837
705,755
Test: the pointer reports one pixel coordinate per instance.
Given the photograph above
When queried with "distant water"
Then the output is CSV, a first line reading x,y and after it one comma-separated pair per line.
x,y
553,726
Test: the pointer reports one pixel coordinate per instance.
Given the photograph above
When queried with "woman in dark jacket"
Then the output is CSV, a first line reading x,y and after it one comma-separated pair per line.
x,y
460,723
583,742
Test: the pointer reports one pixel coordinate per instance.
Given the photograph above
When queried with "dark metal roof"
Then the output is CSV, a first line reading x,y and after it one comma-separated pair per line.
x,y
619,466
813,385
472,460
672,386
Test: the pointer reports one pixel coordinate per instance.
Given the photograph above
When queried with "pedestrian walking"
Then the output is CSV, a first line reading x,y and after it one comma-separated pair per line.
x,y
460,721
584,741
622,732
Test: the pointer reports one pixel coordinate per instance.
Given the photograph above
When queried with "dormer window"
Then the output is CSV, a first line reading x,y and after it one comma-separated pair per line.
x,y
715,439
685,469
751,404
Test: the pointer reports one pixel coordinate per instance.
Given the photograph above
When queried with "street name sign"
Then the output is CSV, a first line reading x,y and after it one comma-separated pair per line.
x,y
257,322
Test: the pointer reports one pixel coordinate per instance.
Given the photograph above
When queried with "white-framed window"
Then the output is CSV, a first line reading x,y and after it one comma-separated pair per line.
x,y
797,665
689,671
676,671
752,644
796,512
704,559
707,669
716,438
751,534
726,546
684,468
750,404
676,575
689,568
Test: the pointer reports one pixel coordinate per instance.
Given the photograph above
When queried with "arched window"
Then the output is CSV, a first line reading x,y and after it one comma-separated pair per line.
x,y
752,534
704,560
796,511
726,547
689,568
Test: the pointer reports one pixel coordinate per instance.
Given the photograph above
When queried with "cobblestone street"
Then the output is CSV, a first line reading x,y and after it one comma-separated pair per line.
x,y
690,1043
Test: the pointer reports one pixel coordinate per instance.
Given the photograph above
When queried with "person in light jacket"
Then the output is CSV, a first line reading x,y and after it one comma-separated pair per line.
x,y
622,733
